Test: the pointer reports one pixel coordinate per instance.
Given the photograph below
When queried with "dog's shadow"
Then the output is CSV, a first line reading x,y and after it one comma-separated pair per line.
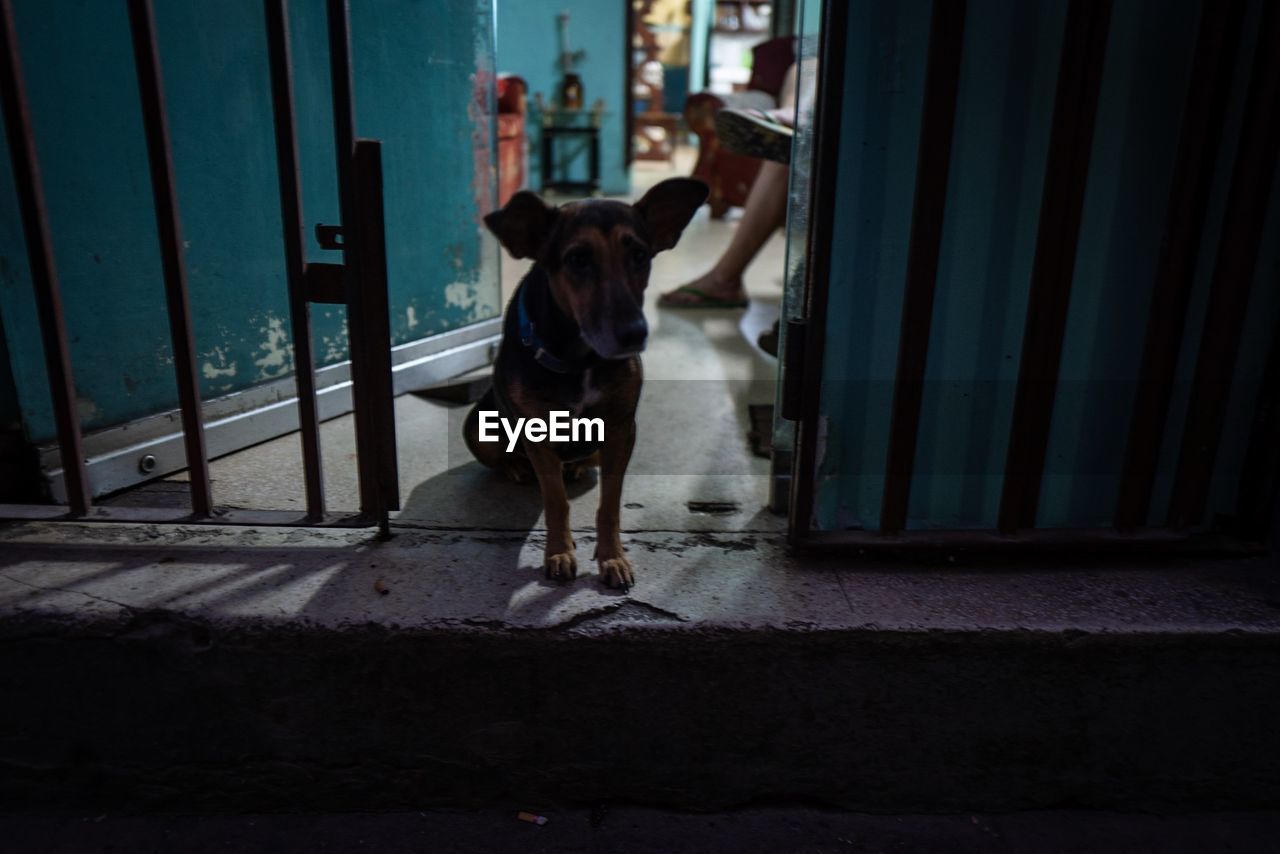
x,y
479,504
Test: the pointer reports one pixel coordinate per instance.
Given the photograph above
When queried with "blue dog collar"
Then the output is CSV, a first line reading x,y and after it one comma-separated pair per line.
x,y
529,338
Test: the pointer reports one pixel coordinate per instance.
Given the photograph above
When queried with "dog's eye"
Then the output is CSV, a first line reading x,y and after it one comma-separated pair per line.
x,y
579,261
639,259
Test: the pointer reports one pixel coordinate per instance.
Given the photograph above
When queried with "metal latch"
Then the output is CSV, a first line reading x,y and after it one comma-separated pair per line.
x,y
326,283
328,236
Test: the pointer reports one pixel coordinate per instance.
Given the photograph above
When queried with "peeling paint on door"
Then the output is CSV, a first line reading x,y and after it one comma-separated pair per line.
x,y
442,266
222,368
277,355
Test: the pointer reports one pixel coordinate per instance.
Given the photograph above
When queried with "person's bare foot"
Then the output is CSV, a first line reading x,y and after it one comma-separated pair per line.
x,y
710,290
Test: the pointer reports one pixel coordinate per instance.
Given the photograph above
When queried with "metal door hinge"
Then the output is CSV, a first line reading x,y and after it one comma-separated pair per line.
x,y
793,368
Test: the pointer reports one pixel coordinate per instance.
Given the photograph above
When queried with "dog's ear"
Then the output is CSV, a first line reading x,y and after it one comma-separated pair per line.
x,y
523,224
668,207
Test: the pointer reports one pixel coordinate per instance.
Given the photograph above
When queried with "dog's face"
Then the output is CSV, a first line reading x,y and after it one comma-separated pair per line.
x,y
596,255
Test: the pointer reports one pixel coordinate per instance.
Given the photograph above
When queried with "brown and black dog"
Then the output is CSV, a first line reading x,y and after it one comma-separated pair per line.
x,y
571,341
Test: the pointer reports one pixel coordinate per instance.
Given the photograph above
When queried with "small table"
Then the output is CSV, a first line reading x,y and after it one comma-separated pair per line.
x,y
571,124
662,148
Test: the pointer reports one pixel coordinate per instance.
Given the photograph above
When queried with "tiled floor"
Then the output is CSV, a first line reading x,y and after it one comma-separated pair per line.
x,y
702,368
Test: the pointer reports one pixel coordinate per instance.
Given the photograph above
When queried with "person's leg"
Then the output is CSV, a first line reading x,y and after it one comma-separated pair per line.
x,y
764,212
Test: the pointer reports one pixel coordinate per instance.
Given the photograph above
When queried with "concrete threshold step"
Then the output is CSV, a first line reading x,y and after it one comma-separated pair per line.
x,y
259,669
618,828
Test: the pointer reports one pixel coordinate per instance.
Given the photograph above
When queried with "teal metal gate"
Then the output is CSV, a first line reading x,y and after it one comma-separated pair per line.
x,y
260,342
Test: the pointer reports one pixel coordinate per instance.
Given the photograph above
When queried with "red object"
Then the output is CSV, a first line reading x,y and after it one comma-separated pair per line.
x,y
769,63
512,147
730,175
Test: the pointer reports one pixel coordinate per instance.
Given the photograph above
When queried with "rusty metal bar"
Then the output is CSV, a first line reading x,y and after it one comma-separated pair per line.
x,y
160,156
1233,273
342,91
937,120
287,168
374,319
344,122
44,273
1075,110
1197,154
362,285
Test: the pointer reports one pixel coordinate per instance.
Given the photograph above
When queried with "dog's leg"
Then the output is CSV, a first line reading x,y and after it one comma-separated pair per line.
x,y
561,562
615,569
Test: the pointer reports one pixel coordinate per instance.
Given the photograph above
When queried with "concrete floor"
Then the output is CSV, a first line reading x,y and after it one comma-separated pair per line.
x,y
702,368
628,829
107,574
199,668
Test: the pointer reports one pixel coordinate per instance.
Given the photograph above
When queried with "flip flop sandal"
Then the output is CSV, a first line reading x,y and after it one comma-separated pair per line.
x,y
754,133
704,300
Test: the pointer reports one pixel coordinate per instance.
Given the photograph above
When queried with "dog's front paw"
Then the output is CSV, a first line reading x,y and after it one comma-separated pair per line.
x,y
616,572
562,566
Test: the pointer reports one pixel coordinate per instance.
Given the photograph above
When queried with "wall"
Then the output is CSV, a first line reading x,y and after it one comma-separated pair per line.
x,y
1006,93
421,83
528,45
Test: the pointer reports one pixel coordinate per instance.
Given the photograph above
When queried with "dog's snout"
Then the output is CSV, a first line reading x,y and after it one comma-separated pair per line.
x,y
633,334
